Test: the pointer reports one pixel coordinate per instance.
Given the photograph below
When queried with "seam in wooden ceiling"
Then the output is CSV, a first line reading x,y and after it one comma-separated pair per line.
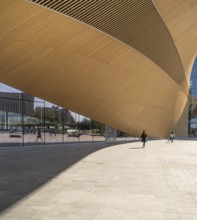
x,y
137,23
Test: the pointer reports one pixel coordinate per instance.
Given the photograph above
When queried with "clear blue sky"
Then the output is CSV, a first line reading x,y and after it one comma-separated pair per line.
x,y
4,88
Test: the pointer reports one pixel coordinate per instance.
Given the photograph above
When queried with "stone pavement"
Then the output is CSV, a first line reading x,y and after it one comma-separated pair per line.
x,y
100,182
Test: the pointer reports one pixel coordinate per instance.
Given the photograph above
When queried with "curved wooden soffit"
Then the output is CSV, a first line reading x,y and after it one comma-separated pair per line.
x,y
123,63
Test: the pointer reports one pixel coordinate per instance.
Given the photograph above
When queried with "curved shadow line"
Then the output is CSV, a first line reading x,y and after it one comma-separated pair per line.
x,y
24,169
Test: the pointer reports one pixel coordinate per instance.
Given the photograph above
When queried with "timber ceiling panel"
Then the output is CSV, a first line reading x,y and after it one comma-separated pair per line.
x,y
134,22
128,83
180,18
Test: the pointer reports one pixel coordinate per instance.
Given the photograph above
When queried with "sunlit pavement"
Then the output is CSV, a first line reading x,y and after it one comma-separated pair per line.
x,y
120,182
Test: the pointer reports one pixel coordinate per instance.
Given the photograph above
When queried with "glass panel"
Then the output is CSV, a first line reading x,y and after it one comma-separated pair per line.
x,y
98,130
85,129
38,127
33,121
10,120
193,82
121,136
54,120
72,130
27,120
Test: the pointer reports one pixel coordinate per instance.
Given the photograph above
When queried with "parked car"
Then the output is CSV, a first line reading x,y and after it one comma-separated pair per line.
x,y
73,133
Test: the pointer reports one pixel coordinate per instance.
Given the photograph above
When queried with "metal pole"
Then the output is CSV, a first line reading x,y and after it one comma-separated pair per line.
x,y
22,111
79,128
92,130
44,123
63,116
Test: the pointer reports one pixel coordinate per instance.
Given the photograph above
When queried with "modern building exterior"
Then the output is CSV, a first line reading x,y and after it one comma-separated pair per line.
x,y
12,106
193,80
22,116
15,107
193,101
10,102
126,64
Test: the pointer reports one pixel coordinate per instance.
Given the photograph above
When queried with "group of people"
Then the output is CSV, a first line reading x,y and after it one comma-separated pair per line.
x,y
144,137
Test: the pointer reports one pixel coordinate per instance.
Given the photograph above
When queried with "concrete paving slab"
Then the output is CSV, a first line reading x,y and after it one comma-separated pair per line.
x,y
100,181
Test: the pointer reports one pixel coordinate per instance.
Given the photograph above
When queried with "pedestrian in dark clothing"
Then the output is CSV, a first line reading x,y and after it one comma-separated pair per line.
x,y
143,138
172,136
39,135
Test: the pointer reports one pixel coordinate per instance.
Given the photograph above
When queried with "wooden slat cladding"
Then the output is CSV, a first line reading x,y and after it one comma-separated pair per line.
x,y
78,67
137,23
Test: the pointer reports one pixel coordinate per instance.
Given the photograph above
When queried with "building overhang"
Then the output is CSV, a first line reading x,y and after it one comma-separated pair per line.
x,y
124,63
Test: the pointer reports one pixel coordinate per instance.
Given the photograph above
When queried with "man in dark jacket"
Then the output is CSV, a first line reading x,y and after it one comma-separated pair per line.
x,y
143,138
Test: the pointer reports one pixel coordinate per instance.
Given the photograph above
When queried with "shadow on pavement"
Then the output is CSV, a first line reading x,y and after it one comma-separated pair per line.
x,y
24,169
136,148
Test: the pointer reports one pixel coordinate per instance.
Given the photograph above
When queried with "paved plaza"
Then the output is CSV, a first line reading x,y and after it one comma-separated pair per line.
x,y
100,181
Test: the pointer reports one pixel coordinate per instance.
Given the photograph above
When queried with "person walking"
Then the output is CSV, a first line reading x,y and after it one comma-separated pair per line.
x,y
39,135
143,138
172,136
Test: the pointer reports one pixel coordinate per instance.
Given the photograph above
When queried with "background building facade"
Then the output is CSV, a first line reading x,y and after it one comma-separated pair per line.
x,y
22,115
193,101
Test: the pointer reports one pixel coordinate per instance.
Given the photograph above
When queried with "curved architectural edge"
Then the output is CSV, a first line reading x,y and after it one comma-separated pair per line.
x,y
75,66
136,23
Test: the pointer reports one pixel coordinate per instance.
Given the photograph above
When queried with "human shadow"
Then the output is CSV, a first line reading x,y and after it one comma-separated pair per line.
x,y
24,169
136,148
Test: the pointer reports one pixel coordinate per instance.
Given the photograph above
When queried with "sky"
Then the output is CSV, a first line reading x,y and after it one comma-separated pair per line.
x,y
4,88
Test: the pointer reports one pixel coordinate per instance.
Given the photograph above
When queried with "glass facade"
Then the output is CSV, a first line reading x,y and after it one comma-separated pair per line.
x,y
26,120
193,102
